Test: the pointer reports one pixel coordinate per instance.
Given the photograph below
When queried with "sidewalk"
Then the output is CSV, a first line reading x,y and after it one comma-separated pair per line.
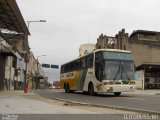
x,y
18,102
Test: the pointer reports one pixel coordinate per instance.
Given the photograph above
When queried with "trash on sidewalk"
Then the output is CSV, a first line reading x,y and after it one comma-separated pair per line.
x,y
25,89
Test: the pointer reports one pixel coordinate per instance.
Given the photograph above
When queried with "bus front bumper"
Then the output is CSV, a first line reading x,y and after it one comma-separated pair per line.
x,y
118,88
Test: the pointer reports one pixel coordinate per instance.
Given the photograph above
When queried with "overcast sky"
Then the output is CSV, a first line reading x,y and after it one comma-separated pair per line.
x,y
71,23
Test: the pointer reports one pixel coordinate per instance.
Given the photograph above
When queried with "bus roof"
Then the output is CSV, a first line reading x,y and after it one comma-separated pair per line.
x,y
96,50
112,50
78,58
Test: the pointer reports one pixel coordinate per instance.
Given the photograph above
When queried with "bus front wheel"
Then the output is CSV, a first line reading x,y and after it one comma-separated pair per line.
x,y
91,89
117,93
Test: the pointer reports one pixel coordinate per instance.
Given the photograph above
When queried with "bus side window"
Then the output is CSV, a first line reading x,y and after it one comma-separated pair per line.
x,y
98,56
74,65
90,61
83,62
62,69
77,65
65,70
71,66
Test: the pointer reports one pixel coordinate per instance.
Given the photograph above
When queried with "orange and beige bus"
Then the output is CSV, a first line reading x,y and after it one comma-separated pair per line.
x,y
101,71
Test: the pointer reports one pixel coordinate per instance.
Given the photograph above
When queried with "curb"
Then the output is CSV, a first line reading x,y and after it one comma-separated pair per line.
x,y
108,106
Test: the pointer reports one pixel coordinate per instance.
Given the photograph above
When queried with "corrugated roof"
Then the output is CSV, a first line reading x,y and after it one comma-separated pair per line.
x,y
11,18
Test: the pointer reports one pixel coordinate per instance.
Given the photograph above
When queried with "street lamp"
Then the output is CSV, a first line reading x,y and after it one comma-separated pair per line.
x,y
37,59
40,56
28,22
37,83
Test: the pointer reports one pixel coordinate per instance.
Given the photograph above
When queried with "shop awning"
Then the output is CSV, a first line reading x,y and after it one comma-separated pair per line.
x,y
11,18
148,67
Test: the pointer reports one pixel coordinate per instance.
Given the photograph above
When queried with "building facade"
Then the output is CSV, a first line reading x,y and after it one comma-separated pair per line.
x,y
16,65
86,48
145,46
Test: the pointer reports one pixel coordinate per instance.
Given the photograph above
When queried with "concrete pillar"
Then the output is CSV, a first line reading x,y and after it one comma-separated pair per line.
x,y
121,40
2,72
126,41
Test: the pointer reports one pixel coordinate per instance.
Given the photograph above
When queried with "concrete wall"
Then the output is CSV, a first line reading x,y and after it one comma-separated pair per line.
x,y
10,73
32,64
145,53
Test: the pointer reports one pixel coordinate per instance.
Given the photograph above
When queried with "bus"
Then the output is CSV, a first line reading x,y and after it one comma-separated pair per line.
x,y
101,71
55,85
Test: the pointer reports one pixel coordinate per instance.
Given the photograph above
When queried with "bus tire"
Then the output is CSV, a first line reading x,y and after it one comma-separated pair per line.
x,y
117,93
67,89
91,89
71,91
85,92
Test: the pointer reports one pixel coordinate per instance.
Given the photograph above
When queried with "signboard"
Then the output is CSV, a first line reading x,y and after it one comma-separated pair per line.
x,y
55,66
20,64
46,65
50,66
138,76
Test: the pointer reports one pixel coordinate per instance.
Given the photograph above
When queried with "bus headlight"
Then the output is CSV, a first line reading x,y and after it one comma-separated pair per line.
x,y
132,88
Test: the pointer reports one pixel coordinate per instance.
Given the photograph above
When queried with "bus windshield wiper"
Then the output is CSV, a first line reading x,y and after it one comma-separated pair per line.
x,y
124,73
119,68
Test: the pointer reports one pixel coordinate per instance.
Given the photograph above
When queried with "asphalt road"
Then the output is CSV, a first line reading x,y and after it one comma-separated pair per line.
x,y
126,100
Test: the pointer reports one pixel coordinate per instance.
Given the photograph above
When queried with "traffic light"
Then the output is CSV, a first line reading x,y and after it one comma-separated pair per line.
x,y
46,65
55,66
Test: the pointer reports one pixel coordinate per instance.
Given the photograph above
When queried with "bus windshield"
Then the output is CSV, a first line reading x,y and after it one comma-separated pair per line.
x,y
114,66
56,83
118,70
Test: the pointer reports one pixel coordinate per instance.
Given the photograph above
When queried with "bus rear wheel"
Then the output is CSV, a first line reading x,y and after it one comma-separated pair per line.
x,y
85,92
117,93
67,89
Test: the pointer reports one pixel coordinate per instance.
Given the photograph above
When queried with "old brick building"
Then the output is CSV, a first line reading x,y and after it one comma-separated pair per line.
x,y
145,46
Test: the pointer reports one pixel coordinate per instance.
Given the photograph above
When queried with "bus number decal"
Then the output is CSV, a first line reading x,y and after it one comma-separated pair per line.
x,y
70,75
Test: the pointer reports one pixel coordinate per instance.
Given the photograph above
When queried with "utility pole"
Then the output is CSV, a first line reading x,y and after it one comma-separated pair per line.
x,y
37,73
28,23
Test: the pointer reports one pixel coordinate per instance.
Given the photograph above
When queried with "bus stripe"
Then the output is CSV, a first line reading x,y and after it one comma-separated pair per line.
x,y
81,79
